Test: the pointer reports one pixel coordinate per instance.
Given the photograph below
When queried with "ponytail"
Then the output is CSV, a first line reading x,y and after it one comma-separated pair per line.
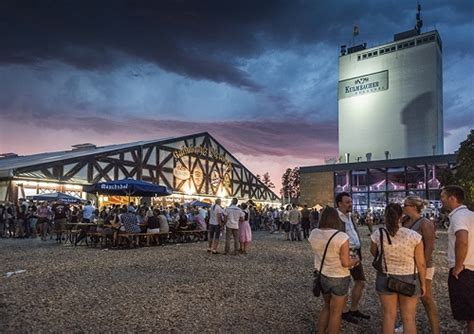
x,y
393,213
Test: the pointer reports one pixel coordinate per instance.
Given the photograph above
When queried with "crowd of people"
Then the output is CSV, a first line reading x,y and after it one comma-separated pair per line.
x,y
404,244
404,274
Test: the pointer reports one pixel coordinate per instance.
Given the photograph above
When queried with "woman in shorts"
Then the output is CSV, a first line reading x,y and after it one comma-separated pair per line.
x,y
335,275
412,208
405,261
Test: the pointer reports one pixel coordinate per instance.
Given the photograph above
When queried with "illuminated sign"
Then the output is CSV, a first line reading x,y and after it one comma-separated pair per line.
x,y
201,150
370,83
182,173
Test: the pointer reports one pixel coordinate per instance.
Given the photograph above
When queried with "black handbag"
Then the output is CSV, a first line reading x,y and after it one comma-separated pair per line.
x,y
317,274
394,284
377,263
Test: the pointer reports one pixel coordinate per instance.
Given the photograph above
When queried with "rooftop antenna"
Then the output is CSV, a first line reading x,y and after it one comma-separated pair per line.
x,y
419,21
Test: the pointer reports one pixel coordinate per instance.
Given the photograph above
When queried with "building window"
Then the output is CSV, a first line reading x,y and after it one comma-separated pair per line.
x,y
342,181
392,48
382,51
416,177
360,202
364,56
400,46
412,43
370,54
405,45
359,180
358,57
375,53
377,179
419,41
377,201
396,178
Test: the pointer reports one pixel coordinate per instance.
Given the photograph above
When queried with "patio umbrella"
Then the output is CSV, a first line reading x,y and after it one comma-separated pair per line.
x,y
128,187
201,204
58,196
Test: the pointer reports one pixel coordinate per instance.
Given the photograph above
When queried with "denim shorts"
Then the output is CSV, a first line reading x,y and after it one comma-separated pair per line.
x,y
381,283
338,286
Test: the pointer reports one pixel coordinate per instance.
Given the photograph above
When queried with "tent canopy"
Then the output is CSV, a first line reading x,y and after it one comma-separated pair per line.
x,y
128,187
58,196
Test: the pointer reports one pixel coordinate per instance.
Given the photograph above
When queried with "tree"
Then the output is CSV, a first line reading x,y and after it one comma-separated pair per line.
x,y
465,168
295,182
285,184
267,181
290,182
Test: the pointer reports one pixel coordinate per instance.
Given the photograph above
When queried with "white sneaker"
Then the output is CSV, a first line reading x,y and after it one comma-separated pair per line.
x,y
399,329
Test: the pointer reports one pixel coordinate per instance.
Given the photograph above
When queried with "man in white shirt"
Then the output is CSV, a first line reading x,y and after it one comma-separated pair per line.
x,y
215,224
344,207
87,212
233,216
460,255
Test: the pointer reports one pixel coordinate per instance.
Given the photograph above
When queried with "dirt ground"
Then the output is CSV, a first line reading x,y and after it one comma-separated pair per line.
x,y
180,288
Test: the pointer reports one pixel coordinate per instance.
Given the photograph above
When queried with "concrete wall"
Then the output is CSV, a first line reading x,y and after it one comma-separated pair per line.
x,y
317,188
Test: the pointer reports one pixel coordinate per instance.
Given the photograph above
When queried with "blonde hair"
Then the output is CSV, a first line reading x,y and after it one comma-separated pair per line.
x,y
418,202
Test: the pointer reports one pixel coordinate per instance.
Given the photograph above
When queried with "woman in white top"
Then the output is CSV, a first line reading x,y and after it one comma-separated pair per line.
x,y
335,275
401,256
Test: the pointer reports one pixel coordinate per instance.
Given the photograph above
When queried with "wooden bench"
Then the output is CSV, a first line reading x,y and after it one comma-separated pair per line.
x,y
134,239
196,235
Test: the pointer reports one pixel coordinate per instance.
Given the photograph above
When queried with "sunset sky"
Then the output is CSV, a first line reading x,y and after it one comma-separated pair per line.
x,y
260,76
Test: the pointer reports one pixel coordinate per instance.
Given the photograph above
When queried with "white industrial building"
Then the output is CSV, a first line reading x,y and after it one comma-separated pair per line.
x,y
390,98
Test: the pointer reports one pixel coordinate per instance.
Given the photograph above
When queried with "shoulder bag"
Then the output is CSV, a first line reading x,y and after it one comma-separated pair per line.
x,y
396,285
378,260
317,274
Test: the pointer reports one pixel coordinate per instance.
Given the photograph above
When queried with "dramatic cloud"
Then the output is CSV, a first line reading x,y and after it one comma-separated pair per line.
x,y
261,76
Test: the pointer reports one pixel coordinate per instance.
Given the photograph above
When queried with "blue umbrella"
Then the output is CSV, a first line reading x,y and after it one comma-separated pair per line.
x,y
58,196
128,187
201,204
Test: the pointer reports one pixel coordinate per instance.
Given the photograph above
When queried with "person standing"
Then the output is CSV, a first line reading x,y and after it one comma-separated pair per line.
x,y
305,221
61,214
403,257
233,216
344,208
335,275
460,255
215,225
245,232
412,208
295,223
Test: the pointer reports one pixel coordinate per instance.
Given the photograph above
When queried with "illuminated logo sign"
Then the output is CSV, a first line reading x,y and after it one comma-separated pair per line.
x,y
370,83
180,172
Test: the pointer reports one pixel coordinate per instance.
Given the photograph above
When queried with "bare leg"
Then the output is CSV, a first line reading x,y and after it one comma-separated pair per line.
x,y
431,308
389,308
324,315
357,294
336,306
408,313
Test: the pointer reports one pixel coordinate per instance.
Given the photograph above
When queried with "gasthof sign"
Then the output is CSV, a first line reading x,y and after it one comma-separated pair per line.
x,y
365,84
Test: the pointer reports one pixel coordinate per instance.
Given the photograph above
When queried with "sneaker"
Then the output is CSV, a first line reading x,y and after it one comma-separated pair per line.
x,y
347,316
359,314
399,329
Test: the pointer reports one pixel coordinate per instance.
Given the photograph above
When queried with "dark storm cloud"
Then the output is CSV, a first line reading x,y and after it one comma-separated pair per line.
x,y
199,39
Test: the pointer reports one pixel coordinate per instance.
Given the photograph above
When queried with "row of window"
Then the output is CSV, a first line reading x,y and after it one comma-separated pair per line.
x,y
394,47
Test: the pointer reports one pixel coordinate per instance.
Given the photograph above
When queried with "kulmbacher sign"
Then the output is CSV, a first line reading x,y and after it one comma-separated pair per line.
x,y
365,84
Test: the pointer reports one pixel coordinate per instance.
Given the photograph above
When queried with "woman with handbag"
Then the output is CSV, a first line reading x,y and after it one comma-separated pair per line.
x,y
397,283
331,263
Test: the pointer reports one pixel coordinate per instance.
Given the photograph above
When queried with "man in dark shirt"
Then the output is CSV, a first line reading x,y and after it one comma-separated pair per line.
x,y
61,214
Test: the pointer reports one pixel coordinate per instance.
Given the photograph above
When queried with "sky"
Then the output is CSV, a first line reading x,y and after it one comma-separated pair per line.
x,y
259,76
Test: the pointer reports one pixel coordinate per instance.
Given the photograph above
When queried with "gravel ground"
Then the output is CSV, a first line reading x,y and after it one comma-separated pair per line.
x,y
178,288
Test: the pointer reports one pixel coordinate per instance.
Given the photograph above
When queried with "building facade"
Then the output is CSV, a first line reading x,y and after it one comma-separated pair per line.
x,y
390,99
193,167
374,184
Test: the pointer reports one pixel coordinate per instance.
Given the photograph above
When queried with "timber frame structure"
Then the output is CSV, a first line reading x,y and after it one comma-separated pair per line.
x,y
194,164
